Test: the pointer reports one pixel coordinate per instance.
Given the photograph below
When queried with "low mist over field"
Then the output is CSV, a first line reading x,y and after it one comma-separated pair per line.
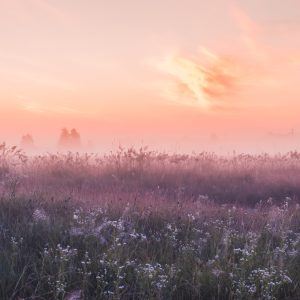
x,y
75,139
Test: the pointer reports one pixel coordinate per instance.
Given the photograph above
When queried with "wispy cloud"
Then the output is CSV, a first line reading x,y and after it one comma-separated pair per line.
x,y
250,32
202,80
38,107
209,79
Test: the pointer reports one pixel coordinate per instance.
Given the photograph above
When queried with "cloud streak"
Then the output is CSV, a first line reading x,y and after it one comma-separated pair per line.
x,y
38,108
212,80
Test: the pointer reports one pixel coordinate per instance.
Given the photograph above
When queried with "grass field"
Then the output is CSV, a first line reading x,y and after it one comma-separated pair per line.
x,y
136,224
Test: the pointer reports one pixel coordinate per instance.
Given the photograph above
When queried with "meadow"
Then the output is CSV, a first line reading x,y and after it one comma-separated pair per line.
x,y
138,224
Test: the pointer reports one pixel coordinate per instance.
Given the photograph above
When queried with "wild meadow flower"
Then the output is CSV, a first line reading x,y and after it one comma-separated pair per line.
x,y
40,215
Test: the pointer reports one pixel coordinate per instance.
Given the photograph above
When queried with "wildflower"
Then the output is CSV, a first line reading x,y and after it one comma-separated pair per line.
x,y
40,215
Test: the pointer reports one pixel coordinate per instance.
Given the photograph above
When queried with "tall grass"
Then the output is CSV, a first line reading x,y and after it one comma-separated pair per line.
x,y
137,224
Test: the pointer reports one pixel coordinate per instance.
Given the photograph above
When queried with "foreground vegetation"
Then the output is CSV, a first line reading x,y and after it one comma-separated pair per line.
x,y
143,225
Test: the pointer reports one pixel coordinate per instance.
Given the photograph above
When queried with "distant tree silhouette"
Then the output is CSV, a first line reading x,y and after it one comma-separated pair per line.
x,y
69,140
27,142
64,139
75,139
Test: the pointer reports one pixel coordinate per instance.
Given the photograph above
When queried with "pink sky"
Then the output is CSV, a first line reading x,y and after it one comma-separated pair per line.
x,y
176,75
